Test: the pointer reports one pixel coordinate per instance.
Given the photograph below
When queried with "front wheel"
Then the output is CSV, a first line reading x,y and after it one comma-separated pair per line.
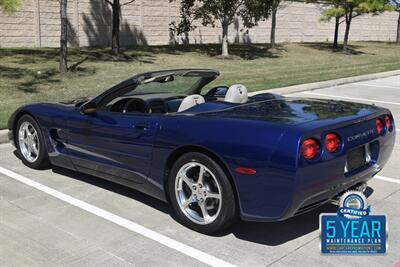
x,y
30,143
201,194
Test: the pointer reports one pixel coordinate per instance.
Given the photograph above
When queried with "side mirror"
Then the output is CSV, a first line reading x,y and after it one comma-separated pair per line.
x,y
89,108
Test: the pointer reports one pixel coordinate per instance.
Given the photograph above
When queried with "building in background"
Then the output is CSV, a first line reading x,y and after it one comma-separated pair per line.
x,y
146,22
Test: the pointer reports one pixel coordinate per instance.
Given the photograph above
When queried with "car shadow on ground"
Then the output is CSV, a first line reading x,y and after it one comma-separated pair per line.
x,y
265,233
116,188
280,232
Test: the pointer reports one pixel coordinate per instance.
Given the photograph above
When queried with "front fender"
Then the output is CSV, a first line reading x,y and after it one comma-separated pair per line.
x,y
12,121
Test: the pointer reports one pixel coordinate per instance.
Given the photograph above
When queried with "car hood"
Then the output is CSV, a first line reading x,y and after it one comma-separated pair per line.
x,y
294,111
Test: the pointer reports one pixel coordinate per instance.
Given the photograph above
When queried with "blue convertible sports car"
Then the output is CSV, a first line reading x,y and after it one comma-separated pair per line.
x,y
214,156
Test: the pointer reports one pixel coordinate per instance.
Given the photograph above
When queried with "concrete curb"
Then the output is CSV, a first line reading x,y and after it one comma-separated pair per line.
x,y
4,136
330,83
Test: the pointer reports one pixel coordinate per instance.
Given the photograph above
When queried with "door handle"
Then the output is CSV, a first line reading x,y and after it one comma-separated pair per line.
x,y
141,125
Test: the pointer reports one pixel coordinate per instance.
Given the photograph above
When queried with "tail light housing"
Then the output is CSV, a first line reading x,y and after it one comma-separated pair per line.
x,y
379,125
310,148
388,123
332,142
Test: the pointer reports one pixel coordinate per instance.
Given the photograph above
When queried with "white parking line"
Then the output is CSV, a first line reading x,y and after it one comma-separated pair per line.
x,y
134,227
387,179
353,98
383,86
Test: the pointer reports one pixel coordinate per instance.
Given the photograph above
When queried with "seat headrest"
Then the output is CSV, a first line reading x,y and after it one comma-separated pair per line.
x,y
237,93
191,101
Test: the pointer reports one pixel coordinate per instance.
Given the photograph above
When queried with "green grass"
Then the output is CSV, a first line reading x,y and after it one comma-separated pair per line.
x,y
30,75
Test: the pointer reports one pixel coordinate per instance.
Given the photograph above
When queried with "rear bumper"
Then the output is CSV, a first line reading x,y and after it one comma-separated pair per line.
x,y
309,200
316,195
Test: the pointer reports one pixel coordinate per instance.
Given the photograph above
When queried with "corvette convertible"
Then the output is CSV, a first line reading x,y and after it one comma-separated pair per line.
x,y
214,153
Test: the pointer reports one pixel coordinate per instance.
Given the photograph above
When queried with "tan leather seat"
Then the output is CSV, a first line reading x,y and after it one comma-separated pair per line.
x,y
237,93
191,101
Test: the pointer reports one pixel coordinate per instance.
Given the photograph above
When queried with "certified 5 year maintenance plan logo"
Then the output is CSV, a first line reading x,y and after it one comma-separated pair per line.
x,y
353,230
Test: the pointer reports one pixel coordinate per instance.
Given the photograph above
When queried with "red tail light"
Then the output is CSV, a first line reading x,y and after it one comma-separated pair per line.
x,y
310,148
388,122
332,142
379,126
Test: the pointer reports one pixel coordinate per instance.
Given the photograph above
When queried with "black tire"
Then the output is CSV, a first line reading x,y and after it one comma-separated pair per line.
x,y
42,160
227,214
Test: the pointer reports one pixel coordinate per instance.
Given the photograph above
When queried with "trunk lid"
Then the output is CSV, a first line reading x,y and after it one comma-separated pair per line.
x,y
295,111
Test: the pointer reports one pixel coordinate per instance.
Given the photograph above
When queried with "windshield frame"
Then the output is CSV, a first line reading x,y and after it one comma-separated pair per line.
x,y
206,76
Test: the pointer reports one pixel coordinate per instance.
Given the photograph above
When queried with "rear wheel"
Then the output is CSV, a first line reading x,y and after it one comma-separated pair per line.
x,y
201,194
30,143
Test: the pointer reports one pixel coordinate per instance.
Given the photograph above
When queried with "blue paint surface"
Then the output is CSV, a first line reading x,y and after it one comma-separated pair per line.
x,y
264,134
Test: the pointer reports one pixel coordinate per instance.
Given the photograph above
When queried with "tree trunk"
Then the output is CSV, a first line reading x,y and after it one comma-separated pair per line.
x,y
336,37
398,29
63,37
273,25
225,51
116,10
349,16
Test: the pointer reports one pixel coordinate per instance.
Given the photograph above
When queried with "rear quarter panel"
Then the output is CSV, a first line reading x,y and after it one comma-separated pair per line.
x,y
253,144
284,180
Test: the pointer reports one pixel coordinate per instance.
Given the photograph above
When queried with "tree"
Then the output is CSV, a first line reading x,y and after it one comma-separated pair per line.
x,y
396,6
116,21
398,28
274,9
262,10
9,5
336,14
350,9
327,18
187,14
63,67
211,12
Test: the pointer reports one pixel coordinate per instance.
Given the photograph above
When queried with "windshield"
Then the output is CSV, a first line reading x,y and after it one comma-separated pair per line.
x,y
167,84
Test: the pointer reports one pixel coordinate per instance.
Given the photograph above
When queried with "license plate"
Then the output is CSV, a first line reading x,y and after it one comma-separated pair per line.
x,y
356,158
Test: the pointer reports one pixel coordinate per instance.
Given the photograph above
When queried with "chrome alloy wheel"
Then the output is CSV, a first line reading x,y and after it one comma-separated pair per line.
x,y
28,141
198,193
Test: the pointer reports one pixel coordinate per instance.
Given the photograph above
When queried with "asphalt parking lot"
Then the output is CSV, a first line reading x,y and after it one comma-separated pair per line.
x,y
75,219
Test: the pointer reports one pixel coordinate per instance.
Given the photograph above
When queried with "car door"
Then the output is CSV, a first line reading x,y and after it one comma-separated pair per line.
x,y
112,144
